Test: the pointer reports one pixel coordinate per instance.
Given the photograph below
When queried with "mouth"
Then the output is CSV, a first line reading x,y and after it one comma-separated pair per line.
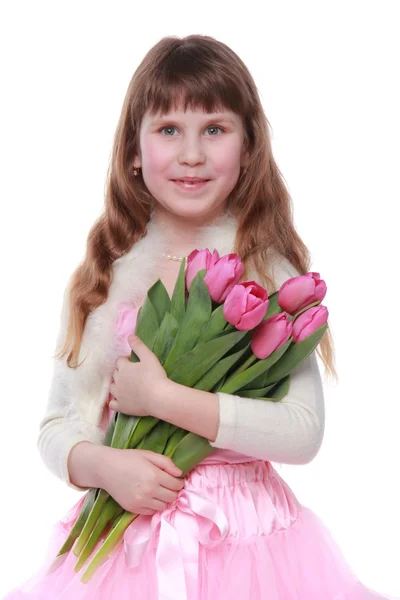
x,y
191,180
193,184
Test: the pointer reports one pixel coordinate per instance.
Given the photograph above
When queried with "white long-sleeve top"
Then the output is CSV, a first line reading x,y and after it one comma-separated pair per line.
x,y
290,431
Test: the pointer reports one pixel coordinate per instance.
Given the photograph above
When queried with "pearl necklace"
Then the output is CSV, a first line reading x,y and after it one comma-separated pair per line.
x,y
172,257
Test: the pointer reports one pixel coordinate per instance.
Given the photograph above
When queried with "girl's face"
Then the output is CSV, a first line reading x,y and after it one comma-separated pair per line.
x,y
209,146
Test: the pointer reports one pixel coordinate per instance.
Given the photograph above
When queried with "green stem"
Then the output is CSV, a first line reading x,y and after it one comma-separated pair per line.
x,y
91,522
243,367
109,513
109,544
80,521
189,452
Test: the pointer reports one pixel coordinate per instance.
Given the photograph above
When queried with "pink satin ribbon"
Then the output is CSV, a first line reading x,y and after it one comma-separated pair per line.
x,y
177,554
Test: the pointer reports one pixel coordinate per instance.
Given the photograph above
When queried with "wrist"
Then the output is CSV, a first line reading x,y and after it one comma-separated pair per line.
x,y
163,394
86,464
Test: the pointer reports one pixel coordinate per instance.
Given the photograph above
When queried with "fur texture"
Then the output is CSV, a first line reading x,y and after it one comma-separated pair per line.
x,y
77,401
84,390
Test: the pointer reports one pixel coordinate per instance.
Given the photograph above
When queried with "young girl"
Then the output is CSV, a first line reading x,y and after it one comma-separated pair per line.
x,y
192,167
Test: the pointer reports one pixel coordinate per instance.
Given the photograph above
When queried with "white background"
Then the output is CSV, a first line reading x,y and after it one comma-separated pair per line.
x,y
327,75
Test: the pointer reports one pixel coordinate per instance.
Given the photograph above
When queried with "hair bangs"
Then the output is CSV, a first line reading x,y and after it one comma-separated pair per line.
x,y
173,87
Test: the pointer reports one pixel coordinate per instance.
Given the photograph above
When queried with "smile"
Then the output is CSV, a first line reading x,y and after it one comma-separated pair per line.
x,y
189,185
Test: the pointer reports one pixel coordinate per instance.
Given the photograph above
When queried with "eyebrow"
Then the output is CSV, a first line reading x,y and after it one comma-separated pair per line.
x,y
211,117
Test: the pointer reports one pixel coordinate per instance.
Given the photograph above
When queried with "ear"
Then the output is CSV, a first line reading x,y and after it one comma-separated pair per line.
x,y
137,161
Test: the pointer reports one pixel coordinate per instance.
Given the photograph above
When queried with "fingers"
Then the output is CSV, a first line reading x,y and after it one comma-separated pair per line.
x,y
163,462
165,495
170,482
146,511
156,504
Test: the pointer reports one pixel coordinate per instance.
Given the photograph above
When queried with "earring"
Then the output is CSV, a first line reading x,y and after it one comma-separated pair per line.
x,y
136,171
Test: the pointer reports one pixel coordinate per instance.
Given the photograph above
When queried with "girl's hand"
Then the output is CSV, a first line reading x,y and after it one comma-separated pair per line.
x,y
135,385
141,481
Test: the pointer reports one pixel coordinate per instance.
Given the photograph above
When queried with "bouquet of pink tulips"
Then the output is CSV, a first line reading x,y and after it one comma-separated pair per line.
x,y
215,334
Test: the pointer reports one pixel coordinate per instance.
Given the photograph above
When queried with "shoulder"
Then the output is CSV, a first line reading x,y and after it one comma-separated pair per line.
x,y
281,268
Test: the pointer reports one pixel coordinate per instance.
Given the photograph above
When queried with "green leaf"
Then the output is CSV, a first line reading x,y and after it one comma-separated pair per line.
x,y
280,389
143,427
215,325
139,446
178,301
273,306
174,440
88,503
165,337
219,385
157,438
129,431
197,314
109,512
147,323
110,431
295,355
254,392
112,540
160,300
221,368
190,451
237,382
90,522
194,364
124,426
273,392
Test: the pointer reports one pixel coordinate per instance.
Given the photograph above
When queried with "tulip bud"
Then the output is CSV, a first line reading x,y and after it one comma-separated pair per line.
x,y
298,292
223,276
271,335
308,322
198,260
246,305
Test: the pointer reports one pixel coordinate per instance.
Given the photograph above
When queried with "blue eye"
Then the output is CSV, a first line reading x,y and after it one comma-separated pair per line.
x,y
215,127
168,127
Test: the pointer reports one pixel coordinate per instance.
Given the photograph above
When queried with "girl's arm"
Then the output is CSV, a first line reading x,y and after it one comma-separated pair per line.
x,y
62,426
289,431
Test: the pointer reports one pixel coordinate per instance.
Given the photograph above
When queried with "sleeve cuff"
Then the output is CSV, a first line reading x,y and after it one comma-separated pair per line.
x,y
55,446
227,421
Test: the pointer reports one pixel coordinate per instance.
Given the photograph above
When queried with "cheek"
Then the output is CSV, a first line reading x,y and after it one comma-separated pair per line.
x,y
227,163
155,157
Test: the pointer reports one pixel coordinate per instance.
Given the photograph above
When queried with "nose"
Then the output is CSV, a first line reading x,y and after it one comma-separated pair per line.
x,y
191,151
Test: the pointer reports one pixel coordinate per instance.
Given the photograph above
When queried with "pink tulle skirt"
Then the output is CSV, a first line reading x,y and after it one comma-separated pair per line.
x,y
235,531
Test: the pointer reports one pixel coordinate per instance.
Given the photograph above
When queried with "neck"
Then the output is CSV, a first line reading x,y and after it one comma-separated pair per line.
x,y
180,232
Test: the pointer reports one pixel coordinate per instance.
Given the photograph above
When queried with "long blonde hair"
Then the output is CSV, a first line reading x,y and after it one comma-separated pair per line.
x,y
205,73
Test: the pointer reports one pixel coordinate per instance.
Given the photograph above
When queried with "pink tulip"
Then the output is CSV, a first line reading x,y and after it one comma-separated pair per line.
x,y
198,260
125,326
298,292
271,335
223,276
309,321
246,305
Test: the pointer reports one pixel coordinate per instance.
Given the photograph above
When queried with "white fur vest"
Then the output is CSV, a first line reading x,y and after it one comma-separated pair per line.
x,y
84,390
290,431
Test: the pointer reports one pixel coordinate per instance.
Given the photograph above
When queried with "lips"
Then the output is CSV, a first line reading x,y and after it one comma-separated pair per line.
x,y
191,180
